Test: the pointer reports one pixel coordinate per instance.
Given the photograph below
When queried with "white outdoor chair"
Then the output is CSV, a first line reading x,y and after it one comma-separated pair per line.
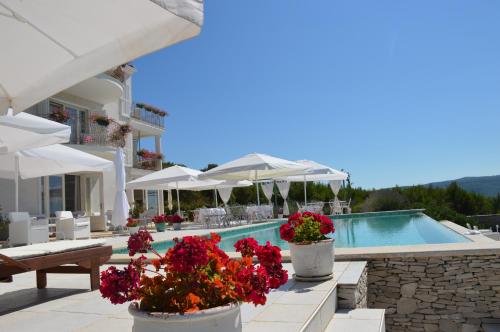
x,y
335,207
25,230
69,228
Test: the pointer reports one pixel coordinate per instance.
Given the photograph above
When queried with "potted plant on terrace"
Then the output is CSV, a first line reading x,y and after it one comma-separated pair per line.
x,y
176,221
132,225
311,251
195,286
159,222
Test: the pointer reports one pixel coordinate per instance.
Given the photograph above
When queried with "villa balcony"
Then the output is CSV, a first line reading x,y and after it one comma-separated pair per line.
x,y
102,89
148,116
147,164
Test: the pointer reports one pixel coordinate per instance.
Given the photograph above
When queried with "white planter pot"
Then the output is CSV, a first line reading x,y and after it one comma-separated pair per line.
x,y
314,259
177,226
133,230
220,319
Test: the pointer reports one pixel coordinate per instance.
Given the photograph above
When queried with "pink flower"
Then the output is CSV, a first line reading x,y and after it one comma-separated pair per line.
x,y
139,242
120,286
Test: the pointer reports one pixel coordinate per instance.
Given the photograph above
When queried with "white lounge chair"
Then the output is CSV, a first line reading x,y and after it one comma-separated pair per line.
x,y
69,228
26,230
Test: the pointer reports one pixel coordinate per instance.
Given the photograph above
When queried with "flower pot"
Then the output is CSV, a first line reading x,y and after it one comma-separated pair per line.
x,y
177,226
313,259
220,319
160,227
133,230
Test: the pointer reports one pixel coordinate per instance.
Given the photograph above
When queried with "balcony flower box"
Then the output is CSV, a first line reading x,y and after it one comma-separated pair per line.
x,y
195,286
311,251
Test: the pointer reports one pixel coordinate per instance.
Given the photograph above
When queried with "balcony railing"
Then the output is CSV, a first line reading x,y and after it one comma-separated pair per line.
x,y
149,164
147,116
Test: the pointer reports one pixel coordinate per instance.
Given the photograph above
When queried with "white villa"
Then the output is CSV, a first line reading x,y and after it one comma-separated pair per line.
x,y
108,94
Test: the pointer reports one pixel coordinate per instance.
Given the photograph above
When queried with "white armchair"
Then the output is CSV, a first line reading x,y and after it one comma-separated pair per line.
x,y
69,228
25,230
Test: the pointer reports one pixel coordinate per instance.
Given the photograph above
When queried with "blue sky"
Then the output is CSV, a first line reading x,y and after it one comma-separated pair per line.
x,y
396,92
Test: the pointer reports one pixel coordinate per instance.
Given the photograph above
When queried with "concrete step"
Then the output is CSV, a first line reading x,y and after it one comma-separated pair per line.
x,y
307,306
366,320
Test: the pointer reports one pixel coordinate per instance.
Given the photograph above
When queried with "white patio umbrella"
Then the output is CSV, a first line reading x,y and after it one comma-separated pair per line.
x,y
254,167
167,178
121,206
26,131
51,45
223,187
48,160
315,172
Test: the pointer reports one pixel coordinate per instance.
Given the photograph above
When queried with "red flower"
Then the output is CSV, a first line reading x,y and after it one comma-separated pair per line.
x,y
246,247
287,232
139,242
160,219
175,218
326,225
294,217
188,254
120,286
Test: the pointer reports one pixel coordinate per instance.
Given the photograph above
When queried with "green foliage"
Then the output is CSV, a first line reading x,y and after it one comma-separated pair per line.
x,y
308,231
385,200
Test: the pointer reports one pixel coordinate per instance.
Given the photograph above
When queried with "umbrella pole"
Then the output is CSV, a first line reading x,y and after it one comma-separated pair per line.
x,y
178,200
305,191
215,194
257,184
16,181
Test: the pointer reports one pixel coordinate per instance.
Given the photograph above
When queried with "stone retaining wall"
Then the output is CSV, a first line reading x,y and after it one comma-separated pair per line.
x,y
353,296
436,293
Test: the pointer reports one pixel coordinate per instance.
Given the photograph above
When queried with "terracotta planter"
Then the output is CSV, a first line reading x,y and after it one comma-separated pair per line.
x,y
160,227
313,259
176,226
133,230
219,319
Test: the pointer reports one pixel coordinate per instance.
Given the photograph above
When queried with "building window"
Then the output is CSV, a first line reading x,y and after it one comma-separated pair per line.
x,y
77,120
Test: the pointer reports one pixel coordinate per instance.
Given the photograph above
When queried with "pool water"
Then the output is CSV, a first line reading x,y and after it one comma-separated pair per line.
x,y
351,231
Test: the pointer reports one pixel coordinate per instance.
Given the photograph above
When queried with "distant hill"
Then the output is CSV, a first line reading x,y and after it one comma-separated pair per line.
x,y
484,185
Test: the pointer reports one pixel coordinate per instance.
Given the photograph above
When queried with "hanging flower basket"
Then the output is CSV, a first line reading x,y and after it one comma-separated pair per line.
x,y
311,251
102,120
195,286
59,115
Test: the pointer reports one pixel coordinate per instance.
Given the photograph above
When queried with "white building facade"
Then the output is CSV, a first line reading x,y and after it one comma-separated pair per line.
x,y
108,94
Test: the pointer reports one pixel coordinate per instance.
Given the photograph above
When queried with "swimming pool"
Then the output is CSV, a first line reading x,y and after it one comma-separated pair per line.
x,y
392,228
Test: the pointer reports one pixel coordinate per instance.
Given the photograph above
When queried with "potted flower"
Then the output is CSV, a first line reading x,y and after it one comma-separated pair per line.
x,y
102,120
159,222
59,115
311,250
195,286
176,221
132,225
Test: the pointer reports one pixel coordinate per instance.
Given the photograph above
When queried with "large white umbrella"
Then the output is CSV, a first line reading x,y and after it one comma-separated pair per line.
x,y
51,45
120,207
26,131
48,160
254,167
223,187
315,172
167,178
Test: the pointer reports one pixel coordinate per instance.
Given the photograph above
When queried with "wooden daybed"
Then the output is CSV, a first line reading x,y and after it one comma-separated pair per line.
x,y
69,256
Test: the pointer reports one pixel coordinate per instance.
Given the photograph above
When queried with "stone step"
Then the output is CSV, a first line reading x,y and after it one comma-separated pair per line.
x,y
366,320
306,306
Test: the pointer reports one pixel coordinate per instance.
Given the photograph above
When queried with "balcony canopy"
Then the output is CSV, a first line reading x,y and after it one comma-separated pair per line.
x,y
49,46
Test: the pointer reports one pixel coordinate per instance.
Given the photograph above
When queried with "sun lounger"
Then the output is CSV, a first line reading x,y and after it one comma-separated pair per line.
x,y
86,256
